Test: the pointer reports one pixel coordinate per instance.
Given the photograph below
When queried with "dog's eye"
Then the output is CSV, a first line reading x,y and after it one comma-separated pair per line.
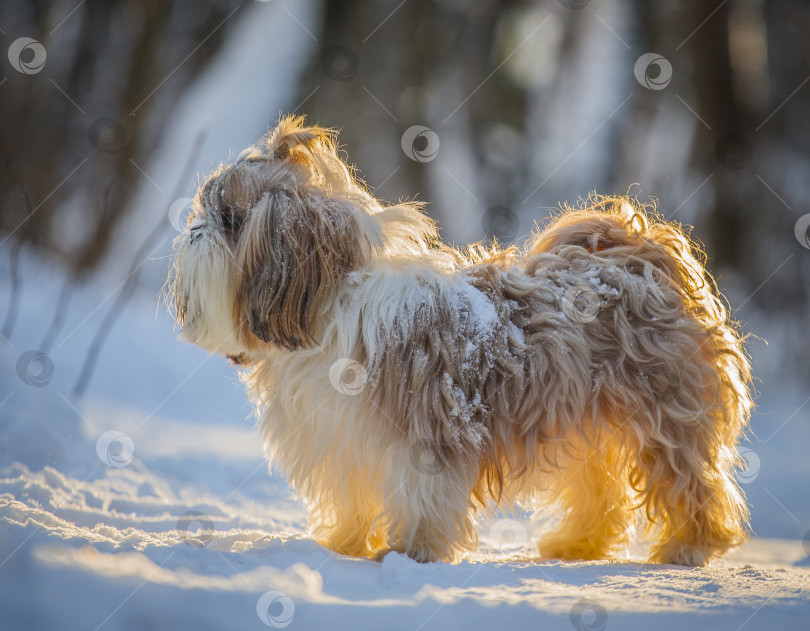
x,y
231,220
195,225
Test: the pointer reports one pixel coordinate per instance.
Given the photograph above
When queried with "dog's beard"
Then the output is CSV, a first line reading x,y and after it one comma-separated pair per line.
x,y
203,288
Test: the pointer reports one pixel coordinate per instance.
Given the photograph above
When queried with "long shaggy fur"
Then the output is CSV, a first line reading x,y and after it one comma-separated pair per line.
x,y
598,364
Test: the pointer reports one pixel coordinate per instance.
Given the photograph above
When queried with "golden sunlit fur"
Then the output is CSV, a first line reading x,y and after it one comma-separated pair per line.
x,y
401,384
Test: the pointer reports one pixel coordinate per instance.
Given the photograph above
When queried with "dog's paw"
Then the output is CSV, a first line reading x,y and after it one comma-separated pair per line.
x,y
380,553
567,550
680,554
422,554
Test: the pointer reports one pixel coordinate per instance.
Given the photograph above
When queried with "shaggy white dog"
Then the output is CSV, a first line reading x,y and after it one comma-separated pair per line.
x,y
401,384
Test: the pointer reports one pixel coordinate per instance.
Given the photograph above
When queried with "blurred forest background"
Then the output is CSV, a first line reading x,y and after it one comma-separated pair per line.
x,y
520,105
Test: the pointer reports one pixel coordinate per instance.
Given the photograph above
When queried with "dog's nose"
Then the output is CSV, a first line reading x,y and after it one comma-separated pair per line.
x,y
237,360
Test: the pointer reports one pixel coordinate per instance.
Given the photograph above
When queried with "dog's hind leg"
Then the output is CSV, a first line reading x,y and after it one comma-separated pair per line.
x,y
594,495
684,457
696,502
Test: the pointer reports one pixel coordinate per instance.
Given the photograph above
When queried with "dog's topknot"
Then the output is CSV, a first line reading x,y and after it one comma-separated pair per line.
x,y
311,151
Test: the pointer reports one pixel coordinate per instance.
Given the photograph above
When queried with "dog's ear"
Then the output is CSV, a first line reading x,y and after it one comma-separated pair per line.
x,y
296,247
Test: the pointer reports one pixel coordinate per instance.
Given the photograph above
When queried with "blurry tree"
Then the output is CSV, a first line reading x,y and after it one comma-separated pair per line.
x,y
532,101
745,61
77,133
386,66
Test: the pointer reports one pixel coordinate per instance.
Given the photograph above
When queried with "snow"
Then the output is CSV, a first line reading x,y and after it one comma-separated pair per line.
x,y
191,531
479,319
78,548
478,305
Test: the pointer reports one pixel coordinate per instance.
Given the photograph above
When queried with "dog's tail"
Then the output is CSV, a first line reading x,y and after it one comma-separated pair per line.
x,y
623,231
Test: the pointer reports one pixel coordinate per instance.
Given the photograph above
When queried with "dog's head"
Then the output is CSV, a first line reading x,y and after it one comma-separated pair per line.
x,y
269,240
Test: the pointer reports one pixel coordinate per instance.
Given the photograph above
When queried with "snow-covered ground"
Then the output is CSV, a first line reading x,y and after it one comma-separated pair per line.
x,y
172,521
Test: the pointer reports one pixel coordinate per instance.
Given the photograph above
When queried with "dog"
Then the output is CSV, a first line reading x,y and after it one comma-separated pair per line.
x,y
402,385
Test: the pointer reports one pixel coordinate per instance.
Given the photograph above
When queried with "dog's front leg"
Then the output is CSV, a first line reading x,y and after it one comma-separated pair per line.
x,y
427,502
346,523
